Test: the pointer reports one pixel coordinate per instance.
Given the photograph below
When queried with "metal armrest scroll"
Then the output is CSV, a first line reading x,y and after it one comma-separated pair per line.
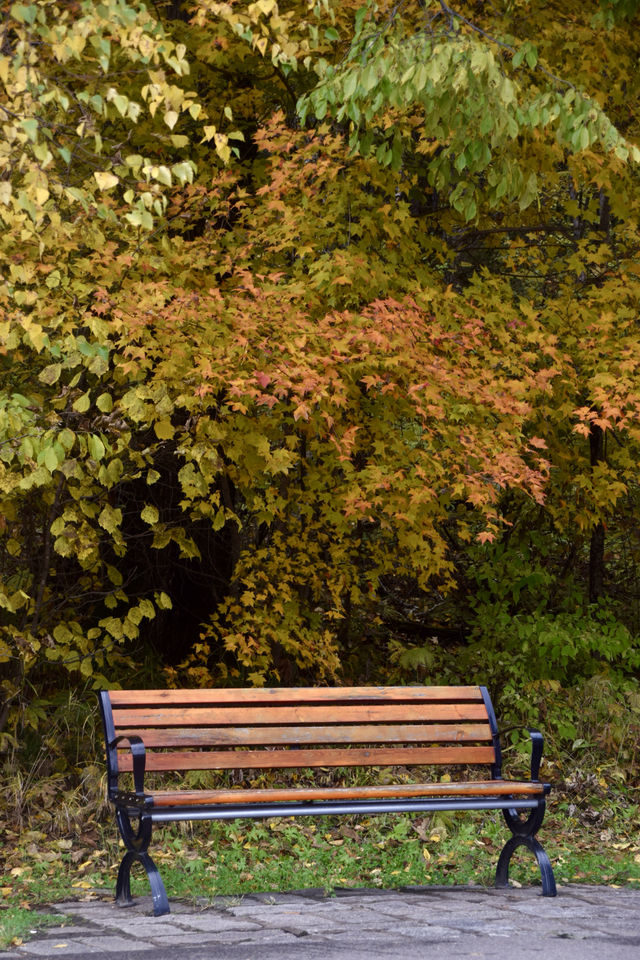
x,y
139,760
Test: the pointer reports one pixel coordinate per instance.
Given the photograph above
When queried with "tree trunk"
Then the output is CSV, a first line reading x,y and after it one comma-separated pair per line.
x,y
596,547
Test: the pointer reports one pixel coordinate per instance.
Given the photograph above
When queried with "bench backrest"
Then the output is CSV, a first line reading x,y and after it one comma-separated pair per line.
x,y
302,727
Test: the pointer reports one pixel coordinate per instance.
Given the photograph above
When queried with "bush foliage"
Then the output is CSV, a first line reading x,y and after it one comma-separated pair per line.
x,y
319,359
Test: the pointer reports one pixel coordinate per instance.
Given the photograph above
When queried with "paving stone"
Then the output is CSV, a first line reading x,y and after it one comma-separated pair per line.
x,y
423,931
148,927
185,938
582,923
113,943
53,948
256,936
215,921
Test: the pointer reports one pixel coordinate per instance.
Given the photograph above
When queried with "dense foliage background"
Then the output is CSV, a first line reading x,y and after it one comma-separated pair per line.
x,y
319,354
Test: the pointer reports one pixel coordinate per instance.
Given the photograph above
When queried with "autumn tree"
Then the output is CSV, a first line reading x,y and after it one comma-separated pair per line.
x,y
315,317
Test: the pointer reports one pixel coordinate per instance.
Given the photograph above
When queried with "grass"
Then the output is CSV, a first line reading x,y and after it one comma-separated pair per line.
x,y
17,924
199,862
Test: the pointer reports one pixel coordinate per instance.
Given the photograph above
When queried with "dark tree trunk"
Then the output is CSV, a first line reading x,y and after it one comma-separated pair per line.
x,y
596,547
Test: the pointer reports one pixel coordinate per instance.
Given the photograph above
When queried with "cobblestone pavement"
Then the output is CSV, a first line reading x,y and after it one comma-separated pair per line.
x,y
579,924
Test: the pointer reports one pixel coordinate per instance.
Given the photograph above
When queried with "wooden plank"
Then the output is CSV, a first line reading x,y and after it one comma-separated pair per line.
x,y
274,736
251,716
270,759
488,788
293,695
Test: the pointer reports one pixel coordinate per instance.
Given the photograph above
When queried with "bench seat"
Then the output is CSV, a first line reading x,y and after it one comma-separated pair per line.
x,y
479,788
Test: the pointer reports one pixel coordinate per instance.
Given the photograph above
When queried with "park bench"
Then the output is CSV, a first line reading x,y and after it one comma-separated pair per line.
x,y
174,731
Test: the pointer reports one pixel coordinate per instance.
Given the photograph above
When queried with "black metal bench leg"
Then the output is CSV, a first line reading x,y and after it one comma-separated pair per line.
x,y
123,885
546,872
137,844
524,836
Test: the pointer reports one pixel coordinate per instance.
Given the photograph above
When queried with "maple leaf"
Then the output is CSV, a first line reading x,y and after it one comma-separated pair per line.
x,y
263,379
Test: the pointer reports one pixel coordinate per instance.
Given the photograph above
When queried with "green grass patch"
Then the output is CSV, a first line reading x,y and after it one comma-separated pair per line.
x,y
19,923
201,861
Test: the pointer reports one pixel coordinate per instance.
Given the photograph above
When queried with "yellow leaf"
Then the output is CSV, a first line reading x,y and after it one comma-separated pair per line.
x,y
106,180
150,514
426,854
171,118
164,429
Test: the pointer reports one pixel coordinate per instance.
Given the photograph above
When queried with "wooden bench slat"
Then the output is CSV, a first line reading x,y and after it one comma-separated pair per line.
x,y
274,736
271,759
293,695
489,788
256,715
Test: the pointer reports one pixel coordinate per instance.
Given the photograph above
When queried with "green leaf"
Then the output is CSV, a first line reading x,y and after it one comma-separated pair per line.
x,y
530,191
50,459
24,13
96,447
82,404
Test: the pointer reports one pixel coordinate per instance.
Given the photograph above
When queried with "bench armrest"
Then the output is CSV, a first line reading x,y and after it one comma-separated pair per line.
x,y
139,760
537,743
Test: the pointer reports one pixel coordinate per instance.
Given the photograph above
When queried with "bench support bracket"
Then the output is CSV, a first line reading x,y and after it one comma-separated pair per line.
x,y
524,832
137,844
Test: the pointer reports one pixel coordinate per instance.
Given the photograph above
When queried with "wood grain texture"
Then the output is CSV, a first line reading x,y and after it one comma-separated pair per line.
x,y
488,788
308,714
242,736
292,695
273,759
